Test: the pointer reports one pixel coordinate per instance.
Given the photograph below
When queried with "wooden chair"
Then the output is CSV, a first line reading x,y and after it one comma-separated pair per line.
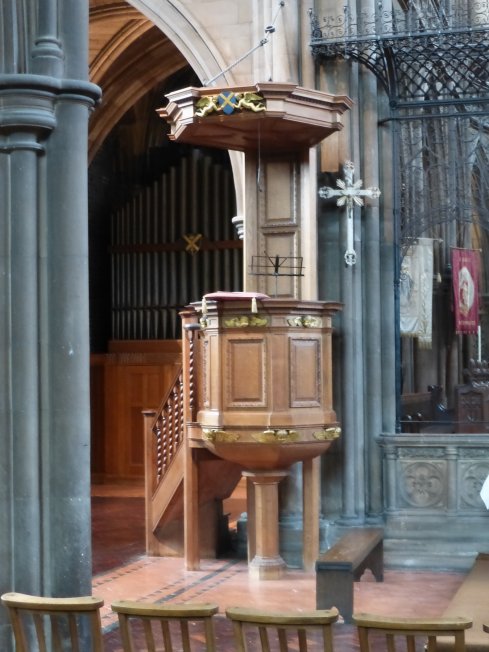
x,y
58,624
433,632
308,630
165,626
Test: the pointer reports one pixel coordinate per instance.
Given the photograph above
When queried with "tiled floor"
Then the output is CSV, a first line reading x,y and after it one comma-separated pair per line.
x,y
122,570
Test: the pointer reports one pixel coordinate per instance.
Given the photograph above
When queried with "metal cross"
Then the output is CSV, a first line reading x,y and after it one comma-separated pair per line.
x,y
349,192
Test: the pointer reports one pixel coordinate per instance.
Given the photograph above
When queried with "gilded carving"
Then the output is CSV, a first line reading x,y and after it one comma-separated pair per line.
x,y
306,321
228,102
192,240
281,435
244,320
216,436
256,320
311,322
328,434
237,322
294,321
204,323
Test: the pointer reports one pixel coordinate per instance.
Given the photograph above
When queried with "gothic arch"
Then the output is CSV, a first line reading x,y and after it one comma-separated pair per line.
x,y
174,20
180,26
133,48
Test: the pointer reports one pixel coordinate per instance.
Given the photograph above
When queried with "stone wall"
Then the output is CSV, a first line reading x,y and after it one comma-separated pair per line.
x,y
435,517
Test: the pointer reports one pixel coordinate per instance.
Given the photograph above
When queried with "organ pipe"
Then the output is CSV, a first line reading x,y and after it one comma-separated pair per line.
x,y
154,272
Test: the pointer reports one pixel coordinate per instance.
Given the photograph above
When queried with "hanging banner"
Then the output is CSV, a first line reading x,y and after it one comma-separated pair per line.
x,y
416,292
465,274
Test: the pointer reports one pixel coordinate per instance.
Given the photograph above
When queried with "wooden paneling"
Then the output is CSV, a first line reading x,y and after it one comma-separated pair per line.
x,y
245,362
132,377
305,372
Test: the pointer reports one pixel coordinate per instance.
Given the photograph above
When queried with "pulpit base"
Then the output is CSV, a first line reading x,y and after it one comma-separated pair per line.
x,y
267,568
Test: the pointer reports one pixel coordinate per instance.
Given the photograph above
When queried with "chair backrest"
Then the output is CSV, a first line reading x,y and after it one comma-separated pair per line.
x,y
188,627
405,632
255,629
54,624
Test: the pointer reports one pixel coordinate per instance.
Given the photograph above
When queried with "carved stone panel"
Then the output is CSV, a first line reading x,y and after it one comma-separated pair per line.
x,y
422,484
472,476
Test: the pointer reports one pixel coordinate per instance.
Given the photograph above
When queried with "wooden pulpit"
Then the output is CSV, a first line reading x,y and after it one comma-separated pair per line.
x,y
258,371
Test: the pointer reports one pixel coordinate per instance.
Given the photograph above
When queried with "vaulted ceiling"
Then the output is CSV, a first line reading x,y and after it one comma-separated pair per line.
x,y
128,56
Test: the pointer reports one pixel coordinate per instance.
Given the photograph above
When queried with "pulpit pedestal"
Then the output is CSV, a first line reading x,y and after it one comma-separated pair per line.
x,y
266,562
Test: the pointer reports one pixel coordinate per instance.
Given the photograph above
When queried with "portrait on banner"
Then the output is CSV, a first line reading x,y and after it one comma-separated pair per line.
x,y
465,274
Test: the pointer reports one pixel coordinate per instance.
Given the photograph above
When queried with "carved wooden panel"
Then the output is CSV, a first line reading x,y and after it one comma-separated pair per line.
x,y
305,372
472,408
245,372
124,383
281,197
204,377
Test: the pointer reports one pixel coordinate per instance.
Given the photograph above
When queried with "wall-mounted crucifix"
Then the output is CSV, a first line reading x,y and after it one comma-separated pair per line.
x,y
349,192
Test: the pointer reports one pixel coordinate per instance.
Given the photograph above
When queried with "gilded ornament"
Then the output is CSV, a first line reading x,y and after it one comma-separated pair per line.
x,y
328,434
192,240
257,320
203,322
228,102
279,436
237,322
216,436
244,320
306,321
294,321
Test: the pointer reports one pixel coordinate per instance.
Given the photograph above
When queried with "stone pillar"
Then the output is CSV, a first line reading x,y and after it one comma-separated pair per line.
x,y
373,300
45,528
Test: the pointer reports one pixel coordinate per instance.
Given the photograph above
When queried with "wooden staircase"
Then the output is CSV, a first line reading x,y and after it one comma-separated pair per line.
x,y
165,453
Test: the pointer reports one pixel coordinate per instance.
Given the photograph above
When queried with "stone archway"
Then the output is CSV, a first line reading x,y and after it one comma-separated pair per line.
x,y
133,48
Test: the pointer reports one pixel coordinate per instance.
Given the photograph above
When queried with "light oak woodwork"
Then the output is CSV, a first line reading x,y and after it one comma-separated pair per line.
x,y
410,629
177,625
263,400
54,622
282,631
132,377
311,489
266,563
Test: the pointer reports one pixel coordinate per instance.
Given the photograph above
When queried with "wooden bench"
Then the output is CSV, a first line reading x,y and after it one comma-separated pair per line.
x,y
471,600
345,563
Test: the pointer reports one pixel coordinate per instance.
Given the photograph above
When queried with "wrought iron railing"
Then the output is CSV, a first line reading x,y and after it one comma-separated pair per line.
x,y
423,56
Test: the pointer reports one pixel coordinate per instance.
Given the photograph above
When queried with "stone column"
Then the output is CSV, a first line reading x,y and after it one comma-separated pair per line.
x,y
373,303
66,364
45,528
